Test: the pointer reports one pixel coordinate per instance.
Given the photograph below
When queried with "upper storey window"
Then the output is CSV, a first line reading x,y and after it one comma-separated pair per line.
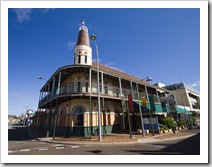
x,y
86,59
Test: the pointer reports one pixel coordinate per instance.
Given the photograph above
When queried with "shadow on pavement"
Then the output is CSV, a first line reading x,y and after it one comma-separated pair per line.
x,y
190,146
95,151
18,133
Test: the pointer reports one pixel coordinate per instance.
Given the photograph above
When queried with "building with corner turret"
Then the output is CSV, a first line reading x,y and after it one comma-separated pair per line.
x,y
68,100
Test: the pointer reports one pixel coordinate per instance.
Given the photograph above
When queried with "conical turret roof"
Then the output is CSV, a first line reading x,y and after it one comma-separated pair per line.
x,y
83,37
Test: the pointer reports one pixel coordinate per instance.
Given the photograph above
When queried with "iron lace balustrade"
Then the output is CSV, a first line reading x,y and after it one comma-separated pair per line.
x,y
75,88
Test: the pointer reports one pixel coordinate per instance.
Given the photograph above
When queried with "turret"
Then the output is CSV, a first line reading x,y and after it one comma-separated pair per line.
x,y
82,50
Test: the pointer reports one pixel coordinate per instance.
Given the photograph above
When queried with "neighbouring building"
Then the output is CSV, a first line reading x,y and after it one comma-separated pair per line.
x,y
68,100
187,98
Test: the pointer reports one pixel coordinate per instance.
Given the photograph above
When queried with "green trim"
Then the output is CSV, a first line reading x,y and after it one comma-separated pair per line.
x,y
158,107
181,110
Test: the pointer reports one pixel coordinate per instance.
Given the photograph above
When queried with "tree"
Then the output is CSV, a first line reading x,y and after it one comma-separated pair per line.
x,y
168,122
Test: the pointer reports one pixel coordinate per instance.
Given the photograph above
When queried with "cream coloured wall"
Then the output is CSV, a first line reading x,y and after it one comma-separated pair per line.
x,y
112,118
83,50
88,119
181,97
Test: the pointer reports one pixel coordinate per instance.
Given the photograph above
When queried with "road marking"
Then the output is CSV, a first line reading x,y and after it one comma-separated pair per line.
x,y
43,149
59,148
74,146
25,150
10,151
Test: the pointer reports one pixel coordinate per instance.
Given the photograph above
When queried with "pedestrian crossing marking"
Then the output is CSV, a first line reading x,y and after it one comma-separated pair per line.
x,y
74,146
43,149
25,150
59,148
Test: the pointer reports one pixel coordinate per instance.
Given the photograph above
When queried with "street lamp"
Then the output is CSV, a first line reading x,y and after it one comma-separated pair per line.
x,y
146,79
93,38
47,134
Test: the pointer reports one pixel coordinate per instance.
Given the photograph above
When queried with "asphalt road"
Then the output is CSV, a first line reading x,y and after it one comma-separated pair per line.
x,y
21,144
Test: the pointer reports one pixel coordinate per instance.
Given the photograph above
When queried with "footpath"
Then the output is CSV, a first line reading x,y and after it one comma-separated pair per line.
x,y
118,138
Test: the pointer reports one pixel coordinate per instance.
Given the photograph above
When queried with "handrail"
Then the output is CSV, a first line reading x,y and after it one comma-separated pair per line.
x,y
84,87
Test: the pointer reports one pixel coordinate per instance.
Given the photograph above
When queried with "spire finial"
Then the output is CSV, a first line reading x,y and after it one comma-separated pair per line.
x,y
82,22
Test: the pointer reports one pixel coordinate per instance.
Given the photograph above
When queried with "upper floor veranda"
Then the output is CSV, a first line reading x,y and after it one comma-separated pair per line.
x,y
81,80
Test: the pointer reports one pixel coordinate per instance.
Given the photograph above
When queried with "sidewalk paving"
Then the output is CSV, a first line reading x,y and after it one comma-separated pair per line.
x,y
117,138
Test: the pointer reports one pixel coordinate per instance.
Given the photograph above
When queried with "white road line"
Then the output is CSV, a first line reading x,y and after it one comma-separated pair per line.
x,y
59,148
10,151
43,149
74,146
25,150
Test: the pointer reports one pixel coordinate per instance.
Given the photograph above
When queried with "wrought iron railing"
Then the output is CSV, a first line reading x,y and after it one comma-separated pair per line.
x,y
84,88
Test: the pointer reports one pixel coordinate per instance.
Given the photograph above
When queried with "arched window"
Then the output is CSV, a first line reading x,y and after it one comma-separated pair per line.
x,y
62,116
79,116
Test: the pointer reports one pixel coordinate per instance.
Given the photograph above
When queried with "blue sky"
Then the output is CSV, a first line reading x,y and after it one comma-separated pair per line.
x,y
161,43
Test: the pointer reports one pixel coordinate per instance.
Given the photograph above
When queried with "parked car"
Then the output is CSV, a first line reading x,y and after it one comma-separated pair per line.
x,y
193,126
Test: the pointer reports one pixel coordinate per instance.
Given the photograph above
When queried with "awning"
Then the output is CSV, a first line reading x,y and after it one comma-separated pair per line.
x,y
158,107
182,109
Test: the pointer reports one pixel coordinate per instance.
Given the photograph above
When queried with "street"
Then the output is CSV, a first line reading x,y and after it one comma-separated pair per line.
x,y
21,144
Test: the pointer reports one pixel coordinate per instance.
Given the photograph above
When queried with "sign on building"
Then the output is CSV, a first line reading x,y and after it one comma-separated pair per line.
x,y
130,103
143,101
152,103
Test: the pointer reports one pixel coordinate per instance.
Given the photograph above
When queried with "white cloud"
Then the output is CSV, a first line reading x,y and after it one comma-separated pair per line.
x,y
70,44
94,60
112,65
195,84
23,14
46,10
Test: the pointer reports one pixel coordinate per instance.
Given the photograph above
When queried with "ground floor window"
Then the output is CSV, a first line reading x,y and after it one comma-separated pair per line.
x,y
62,116
79,116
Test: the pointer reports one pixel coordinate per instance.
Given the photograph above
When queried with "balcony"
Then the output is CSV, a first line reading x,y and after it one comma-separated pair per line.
x,y
79,88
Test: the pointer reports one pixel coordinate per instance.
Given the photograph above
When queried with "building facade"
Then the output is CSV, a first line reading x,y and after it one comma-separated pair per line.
x,y
187,98
68,104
